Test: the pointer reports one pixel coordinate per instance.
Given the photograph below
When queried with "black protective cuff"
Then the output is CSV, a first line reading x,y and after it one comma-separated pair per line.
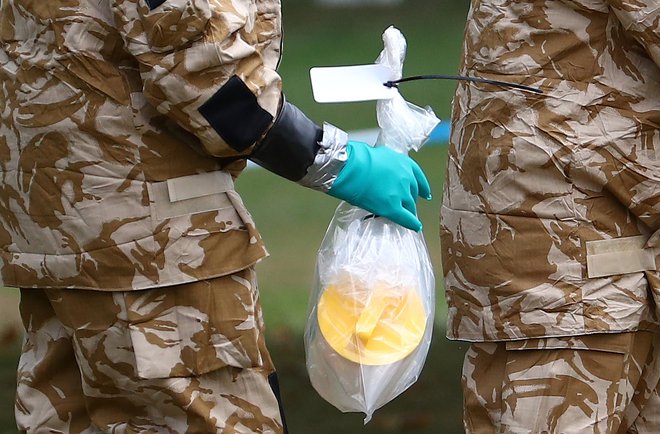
x,y
290,146
235,114
153,4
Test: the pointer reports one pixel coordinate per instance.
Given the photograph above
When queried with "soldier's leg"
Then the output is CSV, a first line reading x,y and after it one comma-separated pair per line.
x,y
49,396
184,359
571,385
483,372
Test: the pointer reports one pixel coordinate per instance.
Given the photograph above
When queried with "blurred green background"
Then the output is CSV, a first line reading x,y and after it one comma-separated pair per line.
x,y
293,220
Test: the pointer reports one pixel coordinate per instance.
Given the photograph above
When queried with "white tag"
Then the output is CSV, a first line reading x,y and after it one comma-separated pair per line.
x,y
351,83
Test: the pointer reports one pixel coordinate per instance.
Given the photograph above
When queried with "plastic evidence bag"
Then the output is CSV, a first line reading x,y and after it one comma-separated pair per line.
x,y
372,307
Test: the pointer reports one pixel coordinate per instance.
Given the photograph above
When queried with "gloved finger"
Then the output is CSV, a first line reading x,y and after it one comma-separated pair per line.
x,y
406,219
414,189
420,177
409,203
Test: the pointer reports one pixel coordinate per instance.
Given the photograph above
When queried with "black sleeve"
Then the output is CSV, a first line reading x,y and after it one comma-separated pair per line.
x,y
290,146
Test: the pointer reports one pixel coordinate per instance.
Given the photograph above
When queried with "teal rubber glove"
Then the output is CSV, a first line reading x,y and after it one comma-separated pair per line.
x,y
382,181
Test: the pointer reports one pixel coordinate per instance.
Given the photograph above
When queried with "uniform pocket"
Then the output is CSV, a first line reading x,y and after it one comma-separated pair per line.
x,y
192,329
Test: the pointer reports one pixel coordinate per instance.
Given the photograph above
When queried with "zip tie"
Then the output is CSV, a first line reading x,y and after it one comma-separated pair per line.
x,y
394,83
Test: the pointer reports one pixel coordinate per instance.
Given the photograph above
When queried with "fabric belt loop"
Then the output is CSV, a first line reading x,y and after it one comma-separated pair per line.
x,y
620,256
190,194
203,184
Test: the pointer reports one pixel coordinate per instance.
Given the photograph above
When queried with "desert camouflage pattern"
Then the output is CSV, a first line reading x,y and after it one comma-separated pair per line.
x,y
187,359
592,384
532,178
99,115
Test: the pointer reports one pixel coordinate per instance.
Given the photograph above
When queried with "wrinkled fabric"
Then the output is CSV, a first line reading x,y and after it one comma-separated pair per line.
x,y
98,107
532,178
592,384
187,359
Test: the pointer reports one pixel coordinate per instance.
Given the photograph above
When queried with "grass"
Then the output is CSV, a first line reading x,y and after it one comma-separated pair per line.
x,y
293,220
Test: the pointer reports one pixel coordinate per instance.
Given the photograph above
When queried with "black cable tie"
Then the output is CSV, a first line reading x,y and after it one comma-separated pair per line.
x,y
394,83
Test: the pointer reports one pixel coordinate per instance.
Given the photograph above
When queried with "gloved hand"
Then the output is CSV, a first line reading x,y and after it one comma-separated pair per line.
x,y
382,181
377,179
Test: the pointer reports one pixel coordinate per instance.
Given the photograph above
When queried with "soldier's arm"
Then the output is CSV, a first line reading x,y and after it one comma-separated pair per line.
x,y
199,70
225,91
640,19
191,54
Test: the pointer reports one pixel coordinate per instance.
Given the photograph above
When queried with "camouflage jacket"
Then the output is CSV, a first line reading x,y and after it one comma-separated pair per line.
x,y
111,178
551,209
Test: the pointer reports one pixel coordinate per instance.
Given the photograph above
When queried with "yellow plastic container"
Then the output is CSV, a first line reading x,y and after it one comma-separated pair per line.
x,y
371,327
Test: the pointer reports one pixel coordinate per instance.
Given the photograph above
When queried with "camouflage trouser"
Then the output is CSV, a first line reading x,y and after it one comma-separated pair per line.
x,y
183,359
589,384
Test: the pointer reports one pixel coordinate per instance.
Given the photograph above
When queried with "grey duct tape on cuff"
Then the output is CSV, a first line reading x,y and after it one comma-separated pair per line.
x,y
330,159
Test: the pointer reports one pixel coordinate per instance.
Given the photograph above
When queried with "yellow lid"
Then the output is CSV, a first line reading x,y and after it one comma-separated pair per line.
x,y
371,327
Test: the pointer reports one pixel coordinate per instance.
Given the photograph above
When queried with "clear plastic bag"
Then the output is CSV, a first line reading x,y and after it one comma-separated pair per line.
x,y
372,308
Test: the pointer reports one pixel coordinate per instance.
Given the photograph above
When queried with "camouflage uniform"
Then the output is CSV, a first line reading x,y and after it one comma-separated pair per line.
x,y
183,359
98,190
551,212
582,384
114,178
